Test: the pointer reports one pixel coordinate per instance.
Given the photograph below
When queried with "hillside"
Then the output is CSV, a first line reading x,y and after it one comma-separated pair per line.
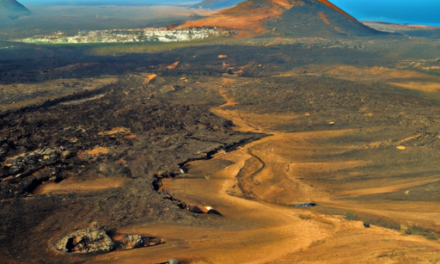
x,y
11,9
299,18
409,30
216,4
317,18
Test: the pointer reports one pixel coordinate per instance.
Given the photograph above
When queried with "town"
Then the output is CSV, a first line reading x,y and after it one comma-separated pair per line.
x,y
131,35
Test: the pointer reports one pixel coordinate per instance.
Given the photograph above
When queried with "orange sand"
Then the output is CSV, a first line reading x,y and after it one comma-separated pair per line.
x,y
150,77
281,169
72,185
97,151
173,66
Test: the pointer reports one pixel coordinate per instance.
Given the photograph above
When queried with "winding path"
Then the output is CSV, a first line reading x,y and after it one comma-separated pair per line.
x,y
253,195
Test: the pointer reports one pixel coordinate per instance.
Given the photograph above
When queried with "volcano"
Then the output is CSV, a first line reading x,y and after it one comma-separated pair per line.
x,y
290,18
11,9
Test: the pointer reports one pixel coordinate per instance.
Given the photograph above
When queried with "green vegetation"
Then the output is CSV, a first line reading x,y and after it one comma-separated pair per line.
x,y
420,231
305,216
372,220
120,49
369,220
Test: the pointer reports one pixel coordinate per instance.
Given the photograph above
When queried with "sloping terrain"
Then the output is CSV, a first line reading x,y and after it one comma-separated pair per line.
x,y
11,9
317,19
149,148
248,16
216,4
299,18
409,30
267,150
88,159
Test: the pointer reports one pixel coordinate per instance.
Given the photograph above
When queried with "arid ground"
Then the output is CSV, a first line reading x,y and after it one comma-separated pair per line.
x,y
270,149
250,134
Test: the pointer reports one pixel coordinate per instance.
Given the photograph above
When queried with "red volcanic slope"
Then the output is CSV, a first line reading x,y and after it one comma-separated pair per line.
x,y
252,17
332,6
248,16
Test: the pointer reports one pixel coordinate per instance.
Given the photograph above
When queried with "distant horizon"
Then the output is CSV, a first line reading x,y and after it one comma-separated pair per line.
x,y
109,2
423,12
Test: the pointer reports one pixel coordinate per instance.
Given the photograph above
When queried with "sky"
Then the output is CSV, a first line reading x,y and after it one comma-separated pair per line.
x,y
424,12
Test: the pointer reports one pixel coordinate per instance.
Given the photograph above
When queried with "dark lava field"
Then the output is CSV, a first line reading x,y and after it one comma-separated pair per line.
x,y
202,152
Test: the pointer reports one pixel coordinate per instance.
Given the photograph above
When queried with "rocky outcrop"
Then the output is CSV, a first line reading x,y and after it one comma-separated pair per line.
x,y
91,240
137,241
97,240
31,161
21,174
305,205
170,261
